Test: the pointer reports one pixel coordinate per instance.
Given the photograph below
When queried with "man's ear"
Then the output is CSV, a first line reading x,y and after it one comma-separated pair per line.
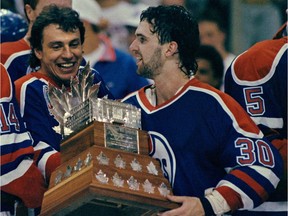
x,y
30,13
172,48
38,53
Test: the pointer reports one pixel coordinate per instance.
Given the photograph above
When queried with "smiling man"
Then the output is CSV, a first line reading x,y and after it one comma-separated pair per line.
x,y
15,54
57,38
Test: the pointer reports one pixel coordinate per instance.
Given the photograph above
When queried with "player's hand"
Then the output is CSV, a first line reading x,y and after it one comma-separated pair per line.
x,y
191,206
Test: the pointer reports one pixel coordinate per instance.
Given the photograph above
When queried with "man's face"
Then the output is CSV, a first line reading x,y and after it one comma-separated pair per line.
x,y
61,53
147,51
205,73
210,34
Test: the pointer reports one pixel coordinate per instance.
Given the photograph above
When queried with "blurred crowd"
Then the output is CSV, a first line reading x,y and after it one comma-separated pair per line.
x,y
230,27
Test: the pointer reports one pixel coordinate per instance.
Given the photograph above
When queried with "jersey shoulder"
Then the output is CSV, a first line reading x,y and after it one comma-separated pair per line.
x,y
257,62
10,48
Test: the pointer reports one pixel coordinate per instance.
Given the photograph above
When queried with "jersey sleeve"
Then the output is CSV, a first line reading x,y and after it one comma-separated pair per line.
x,y
18,171
259,83
32,97
257,80
253,166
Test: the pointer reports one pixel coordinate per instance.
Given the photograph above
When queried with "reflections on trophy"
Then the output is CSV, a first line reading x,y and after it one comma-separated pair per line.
x,y
163,189
119,162
58,177
77,106
136,166
68,171
117,180
88,159
102,140
152,168
101,177
148,187
103,159
133,183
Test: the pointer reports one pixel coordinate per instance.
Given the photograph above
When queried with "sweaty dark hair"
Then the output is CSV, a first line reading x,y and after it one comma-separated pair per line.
x,y
67,19
175,23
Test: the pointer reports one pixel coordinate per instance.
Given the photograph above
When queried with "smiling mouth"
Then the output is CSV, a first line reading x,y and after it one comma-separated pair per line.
x,y
66,65
138,60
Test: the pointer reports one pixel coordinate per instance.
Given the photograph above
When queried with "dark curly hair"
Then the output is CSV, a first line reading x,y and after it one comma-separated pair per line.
x,y
175,23
67,19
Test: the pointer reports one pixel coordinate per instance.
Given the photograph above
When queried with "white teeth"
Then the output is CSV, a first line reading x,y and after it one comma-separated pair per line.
x,y
67,65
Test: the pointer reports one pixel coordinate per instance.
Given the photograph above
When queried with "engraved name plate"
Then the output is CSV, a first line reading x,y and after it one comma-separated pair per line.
x,y
119,137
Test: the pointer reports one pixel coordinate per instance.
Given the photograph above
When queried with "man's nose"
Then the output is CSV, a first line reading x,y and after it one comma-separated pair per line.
x,y
67,53
132,46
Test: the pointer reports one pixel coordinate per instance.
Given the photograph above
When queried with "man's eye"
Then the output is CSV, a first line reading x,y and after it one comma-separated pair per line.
x,y
142,40
75,44
55,47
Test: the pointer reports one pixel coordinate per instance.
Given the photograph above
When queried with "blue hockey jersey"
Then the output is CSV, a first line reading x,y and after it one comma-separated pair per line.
x,y
257,79
18,171
32,95
204,139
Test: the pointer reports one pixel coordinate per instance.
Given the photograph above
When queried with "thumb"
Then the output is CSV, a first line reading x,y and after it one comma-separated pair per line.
x,y
177,199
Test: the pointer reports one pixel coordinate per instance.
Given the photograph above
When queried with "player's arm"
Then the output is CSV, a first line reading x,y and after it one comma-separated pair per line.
x,y
19,173
33,108
254,167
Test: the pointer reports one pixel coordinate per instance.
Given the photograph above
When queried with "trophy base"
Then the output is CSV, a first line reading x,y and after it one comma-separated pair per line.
x,y
114,209
95,201
100,180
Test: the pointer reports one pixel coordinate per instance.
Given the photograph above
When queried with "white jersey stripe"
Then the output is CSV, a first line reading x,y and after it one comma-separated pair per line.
x,y
14,138
17,173
15,55
42,162
247,202
269,122
272,207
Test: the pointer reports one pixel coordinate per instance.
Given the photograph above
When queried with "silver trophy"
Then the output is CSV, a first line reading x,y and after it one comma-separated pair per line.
x,y
78,105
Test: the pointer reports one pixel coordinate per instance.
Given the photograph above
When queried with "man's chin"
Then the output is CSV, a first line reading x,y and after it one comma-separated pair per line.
x,y
65,80
144,74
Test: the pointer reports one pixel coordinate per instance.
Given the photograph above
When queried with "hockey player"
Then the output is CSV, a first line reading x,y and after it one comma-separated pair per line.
x,y
257,79
57,37
15,54
21,180
213,154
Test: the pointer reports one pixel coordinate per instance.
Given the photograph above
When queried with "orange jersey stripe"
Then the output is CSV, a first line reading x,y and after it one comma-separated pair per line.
x,y
252,183
232,197
12,157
